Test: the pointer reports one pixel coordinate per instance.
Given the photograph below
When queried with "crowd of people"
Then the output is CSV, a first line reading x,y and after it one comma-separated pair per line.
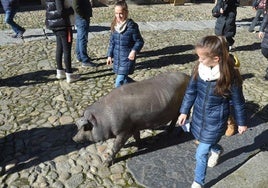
x,y
215,68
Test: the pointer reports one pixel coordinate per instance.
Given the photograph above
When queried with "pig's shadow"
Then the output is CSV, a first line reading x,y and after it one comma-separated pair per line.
x,y
29,148
153,143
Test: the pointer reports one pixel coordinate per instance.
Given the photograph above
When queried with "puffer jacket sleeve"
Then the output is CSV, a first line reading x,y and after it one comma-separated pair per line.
x,y
238,102
189,97
264,28
136,36
111,46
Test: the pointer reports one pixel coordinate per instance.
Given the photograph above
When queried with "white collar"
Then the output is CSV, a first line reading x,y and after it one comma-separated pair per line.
x,y
207,73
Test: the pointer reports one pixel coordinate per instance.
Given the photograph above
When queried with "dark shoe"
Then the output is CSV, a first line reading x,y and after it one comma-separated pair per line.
x,y
19,35
266,77
89,64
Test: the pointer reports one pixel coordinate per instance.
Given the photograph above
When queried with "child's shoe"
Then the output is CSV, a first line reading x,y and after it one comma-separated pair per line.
x,y
213,159
231,127
70,77
60,74
196,185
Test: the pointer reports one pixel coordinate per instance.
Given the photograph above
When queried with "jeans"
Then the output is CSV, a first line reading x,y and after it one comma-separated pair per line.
x,y
256,20
9,19
64,46
122,79
201,156
82,27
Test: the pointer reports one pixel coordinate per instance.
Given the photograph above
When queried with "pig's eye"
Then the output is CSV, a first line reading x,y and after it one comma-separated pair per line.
x,y
88,127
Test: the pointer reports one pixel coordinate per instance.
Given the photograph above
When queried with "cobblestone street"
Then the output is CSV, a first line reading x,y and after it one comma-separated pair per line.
x,y
37,111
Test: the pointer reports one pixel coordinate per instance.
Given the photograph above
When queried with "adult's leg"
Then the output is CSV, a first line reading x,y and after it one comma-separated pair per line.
x,y
67,39
59,50
255,20
82,26
9,19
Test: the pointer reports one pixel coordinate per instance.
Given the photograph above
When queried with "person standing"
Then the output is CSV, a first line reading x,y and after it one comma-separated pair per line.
x,y
263,34
11,7
258,6
214,82
125,42
225,23
57,20
83,12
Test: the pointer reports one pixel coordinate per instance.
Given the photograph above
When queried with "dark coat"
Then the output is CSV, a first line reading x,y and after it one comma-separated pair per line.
x,y
264,28
210,112
57,17
83,8
120,46
225,23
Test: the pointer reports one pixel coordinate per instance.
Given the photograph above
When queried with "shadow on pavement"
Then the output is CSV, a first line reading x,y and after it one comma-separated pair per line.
x,y
28,78
162,140
28,148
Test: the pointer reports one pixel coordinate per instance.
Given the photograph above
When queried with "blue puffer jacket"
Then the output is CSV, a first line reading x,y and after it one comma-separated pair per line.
x,y
264,28
120,46
210,112
10,4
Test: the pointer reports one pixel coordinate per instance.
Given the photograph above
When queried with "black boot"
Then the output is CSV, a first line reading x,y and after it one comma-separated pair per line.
x,y
266,75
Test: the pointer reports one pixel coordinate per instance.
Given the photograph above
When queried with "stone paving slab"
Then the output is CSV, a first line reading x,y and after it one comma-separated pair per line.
x,y
169,160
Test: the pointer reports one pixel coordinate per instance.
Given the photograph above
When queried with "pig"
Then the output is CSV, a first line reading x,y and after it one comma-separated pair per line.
x,y
136,106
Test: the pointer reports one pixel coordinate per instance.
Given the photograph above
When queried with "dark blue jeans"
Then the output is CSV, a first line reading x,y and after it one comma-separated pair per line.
x,y
82,27
256,20
9,19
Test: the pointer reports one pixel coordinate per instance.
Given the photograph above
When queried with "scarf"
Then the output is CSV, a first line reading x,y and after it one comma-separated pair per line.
x,y
120,27
208,73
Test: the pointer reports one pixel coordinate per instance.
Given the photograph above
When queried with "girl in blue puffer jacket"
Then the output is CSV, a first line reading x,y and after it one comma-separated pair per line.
x,y
125,42
214,82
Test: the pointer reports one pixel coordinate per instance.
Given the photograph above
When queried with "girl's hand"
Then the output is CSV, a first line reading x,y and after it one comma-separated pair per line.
x,y
182,118
242,129
261,35
109,61
132,55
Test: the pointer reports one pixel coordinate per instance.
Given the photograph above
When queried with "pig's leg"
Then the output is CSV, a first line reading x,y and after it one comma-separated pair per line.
x,y
119,142
172,124
137,138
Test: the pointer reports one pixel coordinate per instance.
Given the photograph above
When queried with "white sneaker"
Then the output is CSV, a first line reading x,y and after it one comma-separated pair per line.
x,y
213,159
196,185
70,77
60,74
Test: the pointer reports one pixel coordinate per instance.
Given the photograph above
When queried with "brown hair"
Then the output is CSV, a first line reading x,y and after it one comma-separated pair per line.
x,y
123,4
218,46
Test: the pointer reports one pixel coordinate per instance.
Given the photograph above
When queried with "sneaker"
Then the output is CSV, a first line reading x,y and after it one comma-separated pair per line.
x,y
196,185
70,77
60,74
89,64
213,159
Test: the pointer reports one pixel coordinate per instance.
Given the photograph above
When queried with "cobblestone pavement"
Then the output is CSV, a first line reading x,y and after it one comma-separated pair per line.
x,y
38,111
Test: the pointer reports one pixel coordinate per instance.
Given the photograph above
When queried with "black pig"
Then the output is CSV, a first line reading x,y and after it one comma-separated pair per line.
x,y
133,107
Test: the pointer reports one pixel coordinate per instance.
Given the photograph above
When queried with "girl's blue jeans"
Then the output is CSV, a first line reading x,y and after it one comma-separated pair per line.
x,y
201,156
122,79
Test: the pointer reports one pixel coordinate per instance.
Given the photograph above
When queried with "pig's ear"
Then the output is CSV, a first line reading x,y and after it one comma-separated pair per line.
x,y
92,120
81,122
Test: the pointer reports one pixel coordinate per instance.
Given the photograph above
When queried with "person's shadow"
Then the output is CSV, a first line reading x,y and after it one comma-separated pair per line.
x,y
256,118
30,78
27,148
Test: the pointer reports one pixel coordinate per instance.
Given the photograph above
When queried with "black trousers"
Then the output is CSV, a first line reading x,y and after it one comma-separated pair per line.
x,y
264,52
64,39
